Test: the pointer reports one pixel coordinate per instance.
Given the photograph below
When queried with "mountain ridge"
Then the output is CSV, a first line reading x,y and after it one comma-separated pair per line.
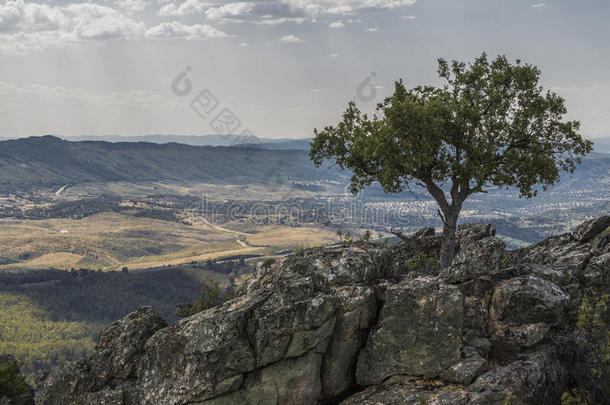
x,y
49,161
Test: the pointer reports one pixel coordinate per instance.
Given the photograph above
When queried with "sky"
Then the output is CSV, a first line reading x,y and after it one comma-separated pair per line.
x,y
273,68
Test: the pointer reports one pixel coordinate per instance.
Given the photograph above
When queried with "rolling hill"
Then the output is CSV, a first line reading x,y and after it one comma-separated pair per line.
x,y
49,161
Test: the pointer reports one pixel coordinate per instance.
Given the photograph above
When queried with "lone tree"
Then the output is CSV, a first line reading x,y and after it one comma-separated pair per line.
x,y
490,125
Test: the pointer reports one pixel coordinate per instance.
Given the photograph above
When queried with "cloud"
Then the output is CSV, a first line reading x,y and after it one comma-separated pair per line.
x,y
275,12
90,21
408,17
290,38
337,24
333,55
538,5
62,96
185,8
269,13
176,29
372,29
131,5
27,27
243,44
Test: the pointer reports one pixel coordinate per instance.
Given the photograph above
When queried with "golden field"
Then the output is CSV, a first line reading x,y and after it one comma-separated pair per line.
x,y
109,241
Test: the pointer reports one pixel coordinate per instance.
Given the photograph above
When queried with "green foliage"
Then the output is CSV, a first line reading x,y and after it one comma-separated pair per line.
x,y
212,295
509,399
593,329
345,237
421,263
575,397
50,317
37,341
489,125
12,383
347,240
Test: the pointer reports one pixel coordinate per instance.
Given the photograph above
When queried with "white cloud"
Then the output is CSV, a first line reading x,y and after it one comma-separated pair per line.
x,y
333,55
315,90
290,38
27,27
274,12
243,44
184,8
372,29
268,13
90,21
337,24
538,5
131,5
408,17
176,29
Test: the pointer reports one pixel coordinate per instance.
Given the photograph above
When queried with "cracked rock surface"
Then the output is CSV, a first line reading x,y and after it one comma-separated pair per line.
x,y
363,325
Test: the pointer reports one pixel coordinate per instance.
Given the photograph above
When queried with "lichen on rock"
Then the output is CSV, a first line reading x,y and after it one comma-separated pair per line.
x,y
365,324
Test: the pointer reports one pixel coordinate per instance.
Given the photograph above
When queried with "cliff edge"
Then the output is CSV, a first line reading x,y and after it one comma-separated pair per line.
x,y
366,324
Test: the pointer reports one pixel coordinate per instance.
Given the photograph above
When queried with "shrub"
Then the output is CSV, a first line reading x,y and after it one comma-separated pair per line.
x,y
12,383
212,295
594,335
574,397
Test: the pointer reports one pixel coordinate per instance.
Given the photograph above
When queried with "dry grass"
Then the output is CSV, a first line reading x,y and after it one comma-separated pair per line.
x,y
287,237
109,241
104,241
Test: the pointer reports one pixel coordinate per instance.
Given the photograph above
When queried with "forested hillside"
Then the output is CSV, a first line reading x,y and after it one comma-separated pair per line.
x,y
51,316
49,161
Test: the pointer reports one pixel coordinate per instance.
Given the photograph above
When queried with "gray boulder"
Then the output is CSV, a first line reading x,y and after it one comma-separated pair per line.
x,y
473,231
482,258
363,325
418,332
590,229
523,309
110,370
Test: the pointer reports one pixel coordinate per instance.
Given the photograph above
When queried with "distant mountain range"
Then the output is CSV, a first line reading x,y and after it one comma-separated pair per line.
x,y
204,140
49,161
601,143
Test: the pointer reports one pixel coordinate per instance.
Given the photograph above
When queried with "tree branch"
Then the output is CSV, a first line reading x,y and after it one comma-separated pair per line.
x,y
438,194
401,235
440,214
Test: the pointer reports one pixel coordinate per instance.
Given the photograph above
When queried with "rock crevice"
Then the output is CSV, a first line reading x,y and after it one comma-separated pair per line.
x,y
363,325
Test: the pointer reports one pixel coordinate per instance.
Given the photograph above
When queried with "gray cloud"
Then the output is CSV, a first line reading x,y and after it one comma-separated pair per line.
x,y
27,27
88,57
275,12
175,29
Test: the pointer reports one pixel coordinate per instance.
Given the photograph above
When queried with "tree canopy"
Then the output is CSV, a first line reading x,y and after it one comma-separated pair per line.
x,y
490,124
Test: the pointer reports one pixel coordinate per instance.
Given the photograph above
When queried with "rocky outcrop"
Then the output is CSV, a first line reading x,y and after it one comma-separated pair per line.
x,y
363,325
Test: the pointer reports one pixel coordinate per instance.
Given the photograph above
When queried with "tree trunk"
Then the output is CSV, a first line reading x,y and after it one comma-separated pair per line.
x,y
448,238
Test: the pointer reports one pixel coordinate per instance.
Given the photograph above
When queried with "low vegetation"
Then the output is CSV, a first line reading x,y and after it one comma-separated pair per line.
x,y
49,317
12,382
213,294
594,386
